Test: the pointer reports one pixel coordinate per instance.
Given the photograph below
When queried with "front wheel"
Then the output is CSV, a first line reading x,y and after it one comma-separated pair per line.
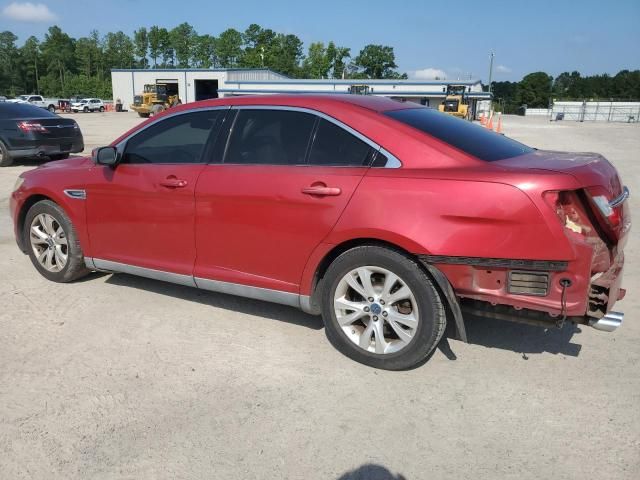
x,y
381,308
52,242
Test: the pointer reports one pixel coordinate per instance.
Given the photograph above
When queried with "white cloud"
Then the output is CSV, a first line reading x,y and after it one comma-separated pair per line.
x,y
29,12
503,69
428,74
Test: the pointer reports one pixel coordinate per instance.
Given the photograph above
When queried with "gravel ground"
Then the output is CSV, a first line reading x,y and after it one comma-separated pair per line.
x,y
123,377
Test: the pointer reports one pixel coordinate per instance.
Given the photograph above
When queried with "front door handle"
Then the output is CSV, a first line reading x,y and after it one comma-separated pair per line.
x,y
173,182
322,191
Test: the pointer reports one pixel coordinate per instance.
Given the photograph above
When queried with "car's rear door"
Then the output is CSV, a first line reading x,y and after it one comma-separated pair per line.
x,y
141,213
261,209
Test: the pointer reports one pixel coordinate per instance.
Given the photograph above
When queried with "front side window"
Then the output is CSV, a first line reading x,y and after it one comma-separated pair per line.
x,y
333,145
177,139
269,137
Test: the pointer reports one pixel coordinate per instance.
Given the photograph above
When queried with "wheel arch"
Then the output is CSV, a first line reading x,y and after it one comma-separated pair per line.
x,y
443,286
22,215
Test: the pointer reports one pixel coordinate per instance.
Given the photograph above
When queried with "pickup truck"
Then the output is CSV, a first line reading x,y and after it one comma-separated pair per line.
x,y
38,100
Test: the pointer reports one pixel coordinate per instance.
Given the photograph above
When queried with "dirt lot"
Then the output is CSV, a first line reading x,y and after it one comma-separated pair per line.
x,y
122,377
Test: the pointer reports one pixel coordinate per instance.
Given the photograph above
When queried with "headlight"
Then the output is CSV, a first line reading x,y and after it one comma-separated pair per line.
x,y
18,183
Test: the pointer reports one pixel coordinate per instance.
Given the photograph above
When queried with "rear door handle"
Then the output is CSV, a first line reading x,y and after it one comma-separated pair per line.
x,y
173,182
322,191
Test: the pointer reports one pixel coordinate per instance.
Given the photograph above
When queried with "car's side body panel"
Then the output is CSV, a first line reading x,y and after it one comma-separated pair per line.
x,y
250,217
134,219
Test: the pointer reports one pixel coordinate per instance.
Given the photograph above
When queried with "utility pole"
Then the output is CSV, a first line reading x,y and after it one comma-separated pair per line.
x,y
491,55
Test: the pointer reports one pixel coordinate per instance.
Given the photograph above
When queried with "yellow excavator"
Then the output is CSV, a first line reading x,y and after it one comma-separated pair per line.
x,y
155,98
456,102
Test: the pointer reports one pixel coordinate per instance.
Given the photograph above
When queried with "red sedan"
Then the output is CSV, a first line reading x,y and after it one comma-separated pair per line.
x,y
389,219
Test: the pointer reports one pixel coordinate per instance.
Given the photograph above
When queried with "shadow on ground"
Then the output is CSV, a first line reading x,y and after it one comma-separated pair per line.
x,y
517,337
249,306
487,332
371,472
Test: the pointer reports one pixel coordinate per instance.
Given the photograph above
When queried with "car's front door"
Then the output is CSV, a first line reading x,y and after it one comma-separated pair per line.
x,y
141,212
273,193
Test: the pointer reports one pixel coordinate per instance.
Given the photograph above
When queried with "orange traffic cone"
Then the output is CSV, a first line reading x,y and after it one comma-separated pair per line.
x,y
499,127
490,122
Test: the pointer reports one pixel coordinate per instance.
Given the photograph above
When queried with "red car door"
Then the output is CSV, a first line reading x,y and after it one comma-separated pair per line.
x,y
141,212
262,211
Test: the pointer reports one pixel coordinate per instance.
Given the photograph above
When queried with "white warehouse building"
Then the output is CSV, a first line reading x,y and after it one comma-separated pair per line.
x,y
201,84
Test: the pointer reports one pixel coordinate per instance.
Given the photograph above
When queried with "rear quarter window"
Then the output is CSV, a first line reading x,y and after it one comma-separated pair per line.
x,y
466,136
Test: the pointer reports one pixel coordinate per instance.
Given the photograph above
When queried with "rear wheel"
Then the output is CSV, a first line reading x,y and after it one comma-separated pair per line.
x,y
53,244
5,157
143,115
381,309
101,109
52,109
85,109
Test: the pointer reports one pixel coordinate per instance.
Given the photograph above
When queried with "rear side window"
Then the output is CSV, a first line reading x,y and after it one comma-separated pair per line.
x,y
22,110
178,139
464,135
335,146
269,137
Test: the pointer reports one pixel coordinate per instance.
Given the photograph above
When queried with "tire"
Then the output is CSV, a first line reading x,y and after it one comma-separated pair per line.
x,y
404,351
101,109
5,156
74,267
143,115
85,109
52,109
59,156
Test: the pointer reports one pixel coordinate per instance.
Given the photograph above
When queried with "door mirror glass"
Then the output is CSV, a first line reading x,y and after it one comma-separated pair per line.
x,y
106,156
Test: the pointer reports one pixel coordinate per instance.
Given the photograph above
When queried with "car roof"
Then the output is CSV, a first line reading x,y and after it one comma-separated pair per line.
x,y
370,102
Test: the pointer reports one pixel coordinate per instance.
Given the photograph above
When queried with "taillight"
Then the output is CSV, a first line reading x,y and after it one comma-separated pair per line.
x,y
27,127
570,211
608,211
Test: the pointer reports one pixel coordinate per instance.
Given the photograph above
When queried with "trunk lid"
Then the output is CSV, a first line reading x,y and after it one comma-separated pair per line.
x,y
589,169
601,188
58,128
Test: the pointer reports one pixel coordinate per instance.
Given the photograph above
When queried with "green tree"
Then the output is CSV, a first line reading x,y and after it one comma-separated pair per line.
x,y
204,52
182,40
141,41
118,50
89,55
30,58
377,61
534,90
229,48
58,54
9,62
154,44
337,57
284,55
317,64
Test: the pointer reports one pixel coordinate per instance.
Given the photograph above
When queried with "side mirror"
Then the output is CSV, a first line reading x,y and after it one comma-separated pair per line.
x,y
106,156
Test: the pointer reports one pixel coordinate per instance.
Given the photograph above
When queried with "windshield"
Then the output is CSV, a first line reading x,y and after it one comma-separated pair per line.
x,y
461,134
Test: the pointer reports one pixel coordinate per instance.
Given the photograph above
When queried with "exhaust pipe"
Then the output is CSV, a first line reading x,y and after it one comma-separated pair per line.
x,y
608,323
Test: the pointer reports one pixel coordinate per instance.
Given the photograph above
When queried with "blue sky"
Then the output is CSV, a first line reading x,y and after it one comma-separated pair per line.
x,y
428,36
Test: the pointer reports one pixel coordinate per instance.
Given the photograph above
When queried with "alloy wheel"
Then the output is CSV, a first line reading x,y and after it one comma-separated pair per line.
x,y
49,242
376,309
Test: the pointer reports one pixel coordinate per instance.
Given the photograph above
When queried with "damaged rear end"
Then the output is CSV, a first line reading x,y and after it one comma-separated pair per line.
x,y
594,218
